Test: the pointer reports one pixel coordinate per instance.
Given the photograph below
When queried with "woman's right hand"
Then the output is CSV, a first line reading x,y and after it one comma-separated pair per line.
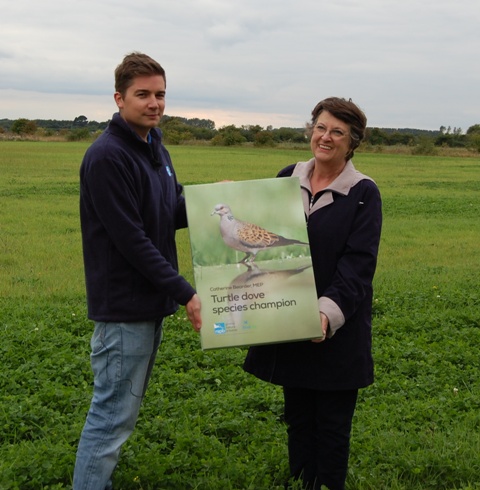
x,y
324,320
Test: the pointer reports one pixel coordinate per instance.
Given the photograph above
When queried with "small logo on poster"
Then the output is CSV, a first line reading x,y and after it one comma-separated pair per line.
x,y
247,326
219,328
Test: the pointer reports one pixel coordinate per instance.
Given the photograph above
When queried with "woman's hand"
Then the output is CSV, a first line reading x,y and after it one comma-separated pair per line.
x,y
324,320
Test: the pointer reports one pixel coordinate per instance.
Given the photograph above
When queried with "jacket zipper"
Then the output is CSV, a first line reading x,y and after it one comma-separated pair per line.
x,y
312,198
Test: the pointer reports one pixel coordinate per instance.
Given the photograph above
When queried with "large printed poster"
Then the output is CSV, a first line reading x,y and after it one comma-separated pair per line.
x,y
251,262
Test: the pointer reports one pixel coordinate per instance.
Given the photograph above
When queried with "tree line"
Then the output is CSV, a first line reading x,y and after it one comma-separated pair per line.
x,y
181,130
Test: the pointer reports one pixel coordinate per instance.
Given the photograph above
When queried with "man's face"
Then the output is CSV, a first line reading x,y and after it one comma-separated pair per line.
x,y
143,104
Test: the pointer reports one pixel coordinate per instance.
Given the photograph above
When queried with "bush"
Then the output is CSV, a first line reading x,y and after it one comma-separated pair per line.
x,y
425,146
80,134
24,126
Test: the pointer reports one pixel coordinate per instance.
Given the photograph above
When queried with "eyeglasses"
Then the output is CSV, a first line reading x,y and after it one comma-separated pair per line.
x,y
335,133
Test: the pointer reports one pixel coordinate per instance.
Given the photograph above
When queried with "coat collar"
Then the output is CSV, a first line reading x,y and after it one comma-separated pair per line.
x,y
341,185
118,122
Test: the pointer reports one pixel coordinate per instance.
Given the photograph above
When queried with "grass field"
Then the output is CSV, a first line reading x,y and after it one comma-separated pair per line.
x,y
205,424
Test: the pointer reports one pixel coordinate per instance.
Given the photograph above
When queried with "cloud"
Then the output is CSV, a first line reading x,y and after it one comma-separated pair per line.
x,y
406,63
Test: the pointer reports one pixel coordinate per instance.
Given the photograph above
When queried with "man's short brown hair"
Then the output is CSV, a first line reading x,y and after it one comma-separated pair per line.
x,y
135,65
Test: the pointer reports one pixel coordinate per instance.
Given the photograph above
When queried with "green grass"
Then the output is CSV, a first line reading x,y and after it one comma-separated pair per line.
x,y
205,424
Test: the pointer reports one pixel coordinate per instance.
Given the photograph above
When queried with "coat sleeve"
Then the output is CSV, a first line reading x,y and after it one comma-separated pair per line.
x,y
181,210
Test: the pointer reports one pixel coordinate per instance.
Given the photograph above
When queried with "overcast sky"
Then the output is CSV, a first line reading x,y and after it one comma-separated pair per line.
x,y
406,63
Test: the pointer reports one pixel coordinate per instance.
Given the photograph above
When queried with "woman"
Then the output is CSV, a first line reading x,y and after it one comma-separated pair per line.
x,y
321,378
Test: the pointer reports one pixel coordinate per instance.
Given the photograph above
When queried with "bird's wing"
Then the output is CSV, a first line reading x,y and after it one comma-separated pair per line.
x,y
254,236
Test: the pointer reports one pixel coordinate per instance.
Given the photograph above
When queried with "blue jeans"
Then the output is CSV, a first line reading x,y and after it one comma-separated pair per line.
x,y
122,359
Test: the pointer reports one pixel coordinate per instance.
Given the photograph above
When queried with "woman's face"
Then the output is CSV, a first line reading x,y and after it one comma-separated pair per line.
x,y
330,141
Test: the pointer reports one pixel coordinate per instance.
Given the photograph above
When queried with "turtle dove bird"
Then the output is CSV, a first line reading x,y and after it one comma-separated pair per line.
x,y
248,237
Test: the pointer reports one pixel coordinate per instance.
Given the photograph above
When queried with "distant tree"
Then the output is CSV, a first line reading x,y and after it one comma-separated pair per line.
x,y
264,138
78,134
95,126
24,126
201,123
178,129
475,129
399,138
80,122
255,128
6,124
204,134
194,122
474,141
249,131
473,135
229,136
425,146
293,135
452,140
375,136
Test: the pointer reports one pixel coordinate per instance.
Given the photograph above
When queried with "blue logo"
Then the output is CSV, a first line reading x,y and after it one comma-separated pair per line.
x,y
169,172
219,328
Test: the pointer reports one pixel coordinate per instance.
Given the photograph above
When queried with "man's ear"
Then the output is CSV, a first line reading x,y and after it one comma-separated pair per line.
x,y
118,99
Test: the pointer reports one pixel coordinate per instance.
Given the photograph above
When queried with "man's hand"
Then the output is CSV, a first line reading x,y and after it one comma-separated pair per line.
x,y
193,308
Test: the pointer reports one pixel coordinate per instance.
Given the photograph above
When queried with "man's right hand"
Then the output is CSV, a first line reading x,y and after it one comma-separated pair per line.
x,y
193,308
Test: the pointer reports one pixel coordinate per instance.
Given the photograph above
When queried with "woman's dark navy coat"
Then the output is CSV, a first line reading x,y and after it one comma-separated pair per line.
x,y
344,224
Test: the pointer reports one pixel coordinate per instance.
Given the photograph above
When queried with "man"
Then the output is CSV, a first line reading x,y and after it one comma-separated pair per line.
x,y
130,206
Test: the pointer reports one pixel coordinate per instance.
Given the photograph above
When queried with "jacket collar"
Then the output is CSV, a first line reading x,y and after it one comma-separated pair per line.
x,y
120,123
341,185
